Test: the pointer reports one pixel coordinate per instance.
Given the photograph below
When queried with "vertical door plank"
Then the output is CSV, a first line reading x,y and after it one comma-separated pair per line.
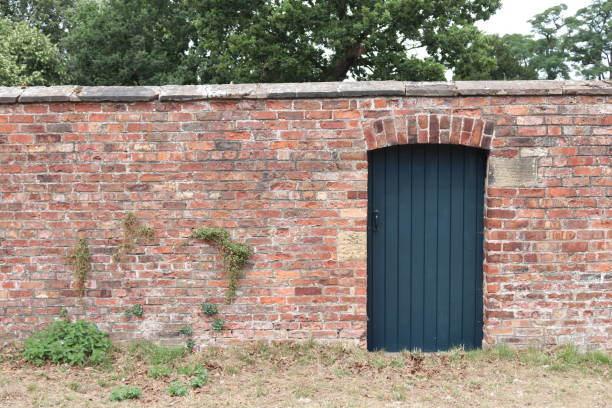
x,y
405,246
391,253
444,241
417,316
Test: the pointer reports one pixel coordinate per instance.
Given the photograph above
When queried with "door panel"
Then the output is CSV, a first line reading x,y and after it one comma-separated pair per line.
x,y
425,247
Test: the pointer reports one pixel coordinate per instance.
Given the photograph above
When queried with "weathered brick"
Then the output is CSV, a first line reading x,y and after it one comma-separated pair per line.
x,y
289,178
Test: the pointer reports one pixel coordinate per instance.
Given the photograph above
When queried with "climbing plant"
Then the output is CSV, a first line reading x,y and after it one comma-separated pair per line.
x,y
235,255
133,233
80,258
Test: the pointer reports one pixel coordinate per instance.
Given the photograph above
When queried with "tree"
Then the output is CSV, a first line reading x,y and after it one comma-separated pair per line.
x,y
136,42
470,53
590,38
330,40
513,55
52,17
27,56
551,56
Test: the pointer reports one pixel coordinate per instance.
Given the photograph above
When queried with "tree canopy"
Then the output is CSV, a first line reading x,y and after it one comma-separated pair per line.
x,y
28,57
328,40
137,42
140,42
52,17
590,40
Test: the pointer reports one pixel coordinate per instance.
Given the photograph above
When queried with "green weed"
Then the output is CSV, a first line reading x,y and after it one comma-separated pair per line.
x,y
159,371
209,309
135,310
62,342
177,389
125,392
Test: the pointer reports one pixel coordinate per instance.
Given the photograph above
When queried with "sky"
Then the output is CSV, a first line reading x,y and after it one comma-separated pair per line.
x,y
514,15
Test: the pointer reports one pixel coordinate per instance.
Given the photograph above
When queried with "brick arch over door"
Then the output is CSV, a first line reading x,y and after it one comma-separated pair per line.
x,y
432,128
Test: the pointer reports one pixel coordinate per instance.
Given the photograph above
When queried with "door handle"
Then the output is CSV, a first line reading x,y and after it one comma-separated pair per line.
x,y
375,215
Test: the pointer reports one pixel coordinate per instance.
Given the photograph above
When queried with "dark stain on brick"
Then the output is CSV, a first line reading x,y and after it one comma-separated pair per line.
x,y
48,138
223,145
138,187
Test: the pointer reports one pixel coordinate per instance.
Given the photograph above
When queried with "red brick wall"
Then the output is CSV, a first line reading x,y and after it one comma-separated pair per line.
x,y
286,176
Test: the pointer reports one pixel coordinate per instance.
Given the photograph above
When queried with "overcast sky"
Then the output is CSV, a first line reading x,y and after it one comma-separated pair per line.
x,y
514,14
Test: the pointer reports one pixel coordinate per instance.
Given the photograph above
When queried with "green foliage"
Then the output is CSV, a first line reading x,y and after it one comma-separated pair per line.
x,y
467,50
136,42
52,17
104,383
513,55
62,342
326,40
134,233
199,381
235,255
566,358
159,371
186,330
209,309
550,47
200,378
177,389
190,344
27,56
583,39
590,40
125,392
154,354
570,355
188,370
81,261
135,310
145,42
218,324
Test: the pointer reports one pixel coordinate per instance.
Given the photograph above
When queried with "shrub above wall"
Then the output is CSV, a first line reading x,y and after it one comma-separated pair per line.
x,y
283,169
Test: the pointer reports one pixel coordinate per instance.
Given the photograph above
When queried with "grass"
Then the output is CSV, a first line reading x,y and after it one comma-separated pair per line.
x,y
177,389
154,354
124,393
317,375
566,358
159,371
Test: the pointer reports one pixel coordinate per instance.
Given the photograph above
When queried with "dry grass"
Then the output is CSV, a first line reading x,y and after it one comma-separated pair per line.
x,y
314,375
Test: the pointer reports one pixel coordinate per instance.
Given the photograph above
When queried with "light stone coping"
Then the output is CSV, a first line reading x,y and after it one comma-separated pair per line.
x,y
304,90
9,94
49,94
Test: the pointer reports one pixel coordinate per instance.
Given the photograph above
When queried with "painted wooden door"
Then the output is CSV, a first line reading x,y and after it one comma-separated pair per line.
x,y
425,252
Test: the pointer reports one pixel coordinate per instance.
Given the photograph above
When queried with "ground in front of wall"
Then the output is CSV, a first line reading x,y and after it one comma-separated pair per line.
x,y
314,375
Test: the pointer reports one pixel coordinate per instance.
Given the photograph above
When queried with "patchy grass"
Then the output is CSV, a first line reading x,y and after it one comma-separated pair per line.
x,y
314,375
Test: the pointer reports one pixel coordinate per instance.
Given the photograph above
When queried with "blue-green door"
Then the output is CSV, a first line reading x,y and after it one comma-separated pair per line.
x,y
425,224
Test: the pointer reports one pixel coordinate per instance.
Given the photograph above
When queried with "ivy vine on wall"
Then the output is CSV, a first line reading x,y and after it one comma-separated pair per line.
x,y
80,258
235,255
133,233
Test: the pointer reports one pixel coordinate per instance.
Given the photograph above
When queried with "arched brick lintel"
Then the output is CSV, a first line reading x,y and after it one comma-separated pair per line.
x,y
429,128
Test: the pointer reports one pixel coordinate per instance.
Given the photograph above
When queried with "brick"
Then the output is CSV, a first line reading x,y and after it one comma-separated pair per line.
x,y
289,177
310,291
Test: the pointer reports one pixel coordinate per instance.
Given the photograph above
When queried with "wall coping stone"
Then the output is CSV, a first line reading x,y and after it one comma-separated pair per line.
x,y
168,93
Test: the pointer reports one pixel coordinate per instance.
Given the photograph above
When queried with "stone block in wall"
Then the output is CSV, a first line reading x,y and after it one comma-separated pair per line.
x,y
513,172
352,245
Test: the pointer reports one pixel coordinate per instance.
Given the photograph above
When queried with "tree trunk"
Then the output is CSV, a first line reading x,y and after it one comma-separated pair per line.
x,y
343,63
